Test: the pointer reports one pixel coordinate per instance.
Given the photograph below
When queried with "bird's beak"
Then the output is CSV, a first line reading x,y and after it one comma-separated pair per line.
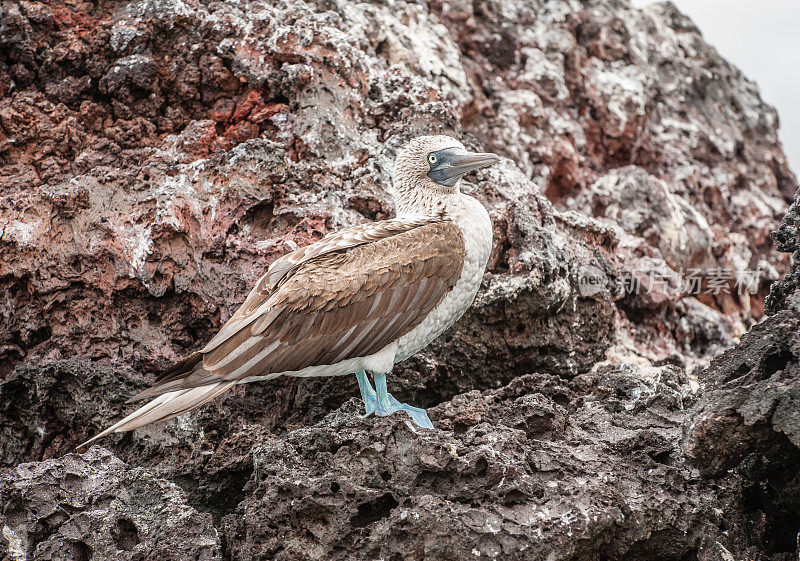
x,y
455,162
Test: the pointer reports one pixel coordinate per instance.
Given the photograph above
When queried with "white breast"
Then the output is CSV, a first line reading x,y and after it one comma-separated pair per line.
x,y
472,218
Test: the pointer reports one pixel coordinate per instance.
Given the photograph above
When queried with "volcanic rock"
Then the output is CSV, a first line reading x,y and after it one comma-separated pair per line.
x,y
156,156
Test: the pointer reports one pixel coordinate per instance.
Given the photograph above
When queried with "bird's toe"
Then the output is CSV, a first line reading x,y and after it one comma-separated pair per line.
x,y
418,415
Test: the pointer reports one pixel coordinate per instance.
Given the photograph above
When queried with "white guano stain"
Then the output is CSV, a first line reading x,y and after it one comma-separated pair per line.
x,y
16,547
137,239
138,245
21,233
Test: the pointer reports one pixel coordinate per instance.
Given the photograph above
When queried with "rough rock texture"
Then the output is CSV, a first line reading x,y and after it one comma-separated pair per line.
x,y
93,506
499,481
784,293
157,155
744,430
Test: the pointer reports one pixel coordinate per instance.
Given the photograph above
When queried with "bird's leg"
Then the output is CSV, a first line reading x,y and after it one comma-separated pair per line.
x,y
368,395
388,405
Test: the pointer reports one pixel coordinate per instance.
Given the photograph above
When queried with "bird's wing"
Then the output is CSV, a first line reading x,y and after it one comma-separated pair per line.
x,y
286,266
336,305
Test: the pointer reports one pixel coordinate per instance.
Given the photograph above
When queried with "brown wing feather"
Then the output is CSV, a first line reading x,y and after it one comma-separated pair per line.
x,y
285,267
340,305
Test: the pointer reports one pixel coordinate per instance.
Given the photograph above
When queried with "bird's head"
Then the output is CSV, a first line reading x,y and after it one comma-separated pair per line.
x,y
434,164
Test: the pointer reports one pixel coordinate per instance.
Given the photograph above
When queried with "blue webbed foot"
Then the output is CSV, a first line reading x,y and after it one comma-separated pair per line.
x,y
387,404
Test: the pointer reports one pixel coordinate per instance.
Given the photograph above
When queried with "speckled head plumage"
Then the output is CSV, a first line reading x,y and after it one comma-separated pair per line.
x,y
430,166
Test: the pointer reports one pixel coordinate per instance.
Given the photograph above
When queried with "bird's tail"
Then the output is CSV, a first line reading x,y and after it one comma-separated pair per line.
x,y
166,406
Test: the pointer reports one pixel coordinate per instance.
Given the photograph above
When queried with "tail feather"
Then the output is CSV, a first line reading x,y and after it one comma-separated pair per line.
x,y
180,368
196,379
165,407
181,376
157,391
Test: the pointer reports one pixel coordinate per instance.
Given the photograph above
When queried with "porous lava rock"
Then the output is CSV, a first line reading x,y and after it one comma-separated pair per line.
x,y
157,155
93,506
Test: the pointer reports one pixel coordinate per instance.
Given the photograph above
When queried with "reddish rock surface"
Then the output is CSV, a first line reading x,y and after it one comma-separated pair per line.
x,y
156,156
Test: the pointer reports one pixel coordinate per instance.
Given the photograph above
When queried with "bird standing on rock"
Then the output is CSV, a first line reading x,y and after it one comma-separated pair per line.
x,y
357,301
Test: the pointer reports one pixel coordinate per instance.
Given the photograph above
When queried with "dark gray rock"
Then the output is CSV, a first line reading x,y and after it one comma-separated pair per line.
x,y
786,292
752,392
534,470
93,506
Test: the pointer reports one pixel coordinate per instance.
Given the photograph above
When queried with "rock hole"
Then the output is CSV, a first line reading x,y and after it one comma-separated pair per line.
x,y
125,534
219,495
740,371
39,336
335,487
382,50
514,497
79,551
662,457
691,555
561,399
372,511
776,361
260,216
772,497
481,467
386,476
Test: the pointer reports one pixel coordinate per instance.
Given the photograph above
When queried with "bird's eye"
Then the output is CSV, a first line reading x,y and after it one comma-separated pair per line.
x,y
432,158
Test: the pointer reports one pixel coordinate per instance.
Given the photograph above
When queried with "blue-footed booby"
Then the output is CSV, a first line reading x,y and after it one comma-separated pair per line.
x,y
357,301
